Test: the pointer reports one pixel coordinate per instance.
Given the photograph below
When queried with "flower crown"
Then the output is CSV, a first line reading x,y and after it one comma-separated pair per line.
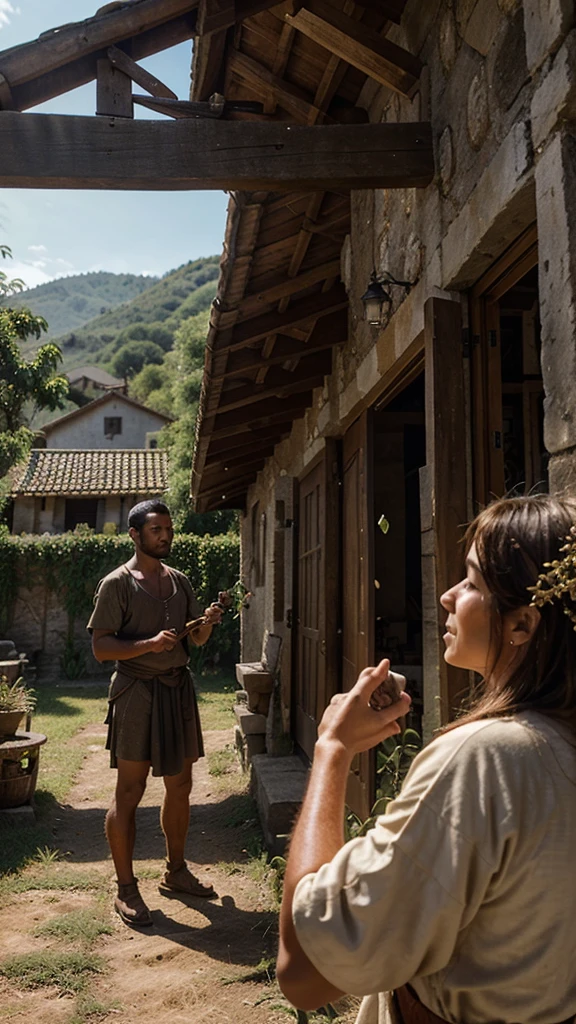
x,y
559,583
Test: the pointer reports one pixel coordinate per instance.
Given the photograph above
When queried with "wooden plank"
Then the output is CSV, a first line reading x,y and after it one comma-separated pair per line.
x,y
54,49
249,395
285,348
143,78
445,511
290,97
246,439
82,70
113,91
262,414
358,594
360,46
55,151
313,306
297,284
216,15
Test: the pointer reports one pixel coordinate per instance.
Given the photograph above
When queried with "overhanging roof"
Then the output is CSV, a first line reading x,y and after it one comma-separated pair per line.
x,y
281,307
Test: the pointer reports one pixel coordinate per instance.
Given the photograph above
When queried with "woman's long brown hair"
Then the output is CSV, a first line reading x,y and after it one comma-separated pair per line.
x,y
514,537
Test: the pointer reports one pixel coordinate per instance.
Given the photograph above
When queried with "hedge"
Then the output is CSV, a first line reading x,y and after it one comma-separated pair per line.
x,y
71,564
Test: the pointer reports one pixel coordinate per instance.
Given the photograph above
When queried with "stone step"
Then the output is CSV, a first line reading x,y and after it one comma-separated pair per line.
x,y
249,722
277,785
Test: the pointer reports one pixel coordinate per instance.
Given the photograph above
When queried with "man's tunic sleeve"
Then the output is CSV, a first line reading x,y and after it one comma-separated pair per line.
x,y
108,609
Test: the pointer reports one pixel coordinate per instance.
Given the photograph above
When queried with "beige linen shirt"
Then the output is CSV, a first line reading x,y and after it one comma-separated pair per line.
x,y
466,887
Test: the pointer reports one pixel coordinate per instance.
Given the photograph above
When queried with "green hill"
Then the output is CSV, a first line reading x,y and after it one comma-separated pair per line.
x,y
150,319
70,302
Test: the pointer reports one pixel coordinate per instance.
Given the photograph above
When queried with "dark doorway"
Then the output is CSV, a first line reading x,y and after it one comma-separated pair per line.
x,y
399,453
80,510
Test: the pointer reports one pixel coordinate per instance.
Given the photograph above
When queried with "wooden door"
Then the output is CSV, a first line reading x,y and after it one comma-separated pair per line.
x,y
443,502
358,585
317,641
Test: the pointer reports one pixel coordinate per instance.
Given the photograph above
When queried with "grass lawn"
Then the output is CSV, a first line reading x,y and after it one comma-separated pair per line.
x,y
61,713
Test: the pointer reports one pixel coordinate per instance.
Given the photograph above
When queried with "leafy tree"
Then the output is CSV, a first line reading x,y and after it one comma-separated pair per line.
x,y
130,359
23,381
151,378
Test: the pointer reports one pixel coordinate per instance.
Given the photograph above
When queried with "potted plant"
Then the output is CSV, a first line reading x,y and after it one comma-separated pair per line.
x,y
16,700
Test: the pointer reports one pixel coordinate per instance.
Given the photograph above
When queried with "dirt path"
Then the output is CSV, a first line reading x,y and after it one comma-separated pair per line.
x,y
187,968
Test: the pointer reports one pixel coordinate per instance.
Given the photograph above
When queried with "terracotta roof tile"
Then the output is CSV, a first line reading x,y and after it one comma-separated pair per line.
x,y
120,471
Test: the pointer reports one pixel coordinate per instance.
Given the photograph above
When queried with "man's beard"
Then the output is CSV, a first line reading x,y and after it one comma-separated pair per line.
x,y
153,552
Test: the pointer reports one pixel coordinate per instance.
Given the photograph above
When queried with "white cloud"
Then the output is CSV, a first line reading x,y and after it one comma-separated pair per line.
x,y
37,248
6,10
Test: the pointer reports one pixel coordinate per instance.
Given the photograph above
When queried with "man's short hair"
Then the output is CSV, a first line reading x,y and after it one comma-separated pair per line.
x,y
138,513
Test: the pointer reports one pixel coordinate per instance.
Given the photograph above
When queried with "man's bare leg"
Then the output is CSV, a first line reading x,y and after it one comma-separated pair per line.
x,y
121,833
174,818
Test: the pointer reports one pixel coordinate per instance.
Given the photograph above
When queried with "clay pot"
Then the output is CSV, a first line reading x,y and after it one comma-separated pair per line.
x,y
9,722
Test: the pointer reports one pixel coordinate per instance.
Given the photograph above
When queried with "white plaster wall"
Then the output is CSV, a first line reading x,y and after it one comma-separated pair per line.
x,y
87,431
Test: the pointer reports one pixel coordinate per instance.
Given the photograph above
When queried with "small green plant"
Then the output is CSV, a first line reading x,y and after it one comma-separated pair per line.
x,y
16,697
68,972
393,759
46,855
72,660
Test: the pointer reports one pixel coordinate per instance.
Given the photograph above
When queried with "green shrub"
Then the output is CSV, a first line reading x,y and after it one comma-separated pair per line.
x,y
71,564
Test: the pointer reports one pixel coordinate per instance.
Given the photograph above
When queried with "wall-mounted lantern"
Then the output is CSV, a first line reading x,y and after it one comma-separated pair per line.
x,y
377,300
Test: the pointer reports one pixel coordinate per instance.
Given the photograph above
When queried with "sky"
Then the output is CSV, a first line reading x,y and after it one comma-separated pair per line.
x,y
56,232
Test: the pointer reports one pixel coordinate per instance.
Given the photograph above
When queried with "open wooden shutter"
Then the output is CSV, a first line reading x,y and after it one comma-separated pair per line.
x,y
358,585
443,502
317,641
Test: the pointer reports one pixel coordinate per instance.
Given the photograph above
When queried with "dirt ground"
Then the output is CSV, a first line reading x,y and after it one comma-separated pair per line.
x,y
202,961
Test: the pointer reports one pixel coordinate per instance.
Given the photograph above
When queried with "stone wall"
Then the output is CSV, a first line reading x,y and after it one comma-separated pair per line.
x,y
39,627
499,86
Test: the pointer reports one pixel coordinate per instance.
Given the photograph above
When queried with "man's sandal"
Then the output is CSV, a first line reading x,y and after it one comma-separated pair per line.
x,y
182,880
131,907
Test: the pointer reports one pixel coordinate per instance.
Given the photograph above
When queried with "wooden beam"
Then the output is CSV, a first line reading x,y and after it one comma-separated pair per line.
x,y
360,46
55,151
113,91
290,97
264,414
143,78
60,46
83,70
296,284
279,383
285,348
310,308
246,439
216,15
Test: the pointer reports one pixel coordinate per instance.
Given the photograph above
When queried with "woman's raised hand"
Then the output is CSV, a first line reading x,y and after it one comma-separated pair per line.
x,y
349,719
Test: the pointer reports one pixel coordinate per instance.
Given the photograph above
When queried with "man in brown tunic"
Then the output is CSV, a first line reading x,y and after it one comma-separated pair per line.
x,y
153,717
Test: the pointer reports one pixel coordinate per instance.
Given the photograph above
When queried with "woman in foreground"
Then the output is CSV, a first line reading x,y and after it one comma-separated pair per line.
x,y
461,903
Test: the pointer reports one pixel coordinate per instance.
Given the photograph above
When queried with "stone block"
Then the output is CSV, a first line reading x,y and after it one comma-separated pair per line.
x,y
546,22
255,744
562,474
556,202
482,26
249,722
258,682
277,785
554,101
499,208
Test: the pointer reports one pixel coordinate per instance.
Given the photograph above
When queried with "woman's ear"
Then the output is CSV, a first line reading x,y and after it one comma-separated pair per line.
x,y
520,625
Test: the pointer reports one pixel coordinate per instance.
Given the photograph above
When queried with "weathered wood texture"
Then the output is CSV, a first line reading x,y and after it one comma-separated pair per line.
x,y
359,45
53,151
124,63
54,49
443,499
83,68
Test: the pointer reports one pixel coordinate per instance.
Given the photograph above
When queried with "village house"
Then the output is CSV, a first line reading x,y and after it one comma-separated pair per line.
x,y
92,379
112,421
392,341
58,490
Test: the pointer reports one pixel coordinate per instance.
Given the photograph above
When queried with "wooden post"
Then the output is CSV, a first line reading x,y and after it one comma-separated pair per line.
x,y
113,90
443,502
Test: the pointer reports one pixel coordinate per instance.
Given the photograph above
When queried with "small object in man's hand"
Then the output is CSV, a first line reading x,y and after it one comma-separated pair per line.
x,y
388,692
